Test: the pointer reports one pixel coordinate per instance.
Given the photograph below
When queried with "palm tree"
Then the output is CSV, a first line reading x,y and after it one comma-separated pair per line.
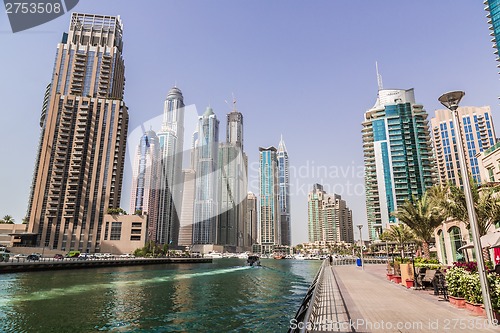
x,y
399,233
486,204
423,216
7,219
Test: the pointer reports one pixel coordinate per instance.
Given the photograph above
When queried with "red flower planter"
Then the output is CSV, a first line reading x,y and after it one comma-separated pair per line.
x,y
409,283
396,279
458,302
389,276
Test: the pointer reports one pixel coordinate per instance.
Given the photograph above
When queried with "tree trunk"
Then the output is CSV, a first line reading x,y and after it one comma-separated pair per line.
x,y
486,255
425,248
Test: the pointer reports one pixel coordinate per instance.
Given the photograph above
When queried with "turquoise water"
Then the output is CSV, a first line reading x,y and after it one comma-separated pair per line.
x,y
224,296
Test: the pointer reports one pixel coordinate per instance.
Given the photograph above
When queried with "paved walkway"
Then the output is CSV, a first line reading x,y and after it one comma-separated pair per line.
x,y
378,305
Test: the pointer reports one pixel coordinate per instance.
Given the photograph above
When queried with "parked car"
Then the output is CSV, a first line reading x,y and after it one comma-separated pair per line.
x,y
127,255
33,256
73,254
20,256
58,256
84,256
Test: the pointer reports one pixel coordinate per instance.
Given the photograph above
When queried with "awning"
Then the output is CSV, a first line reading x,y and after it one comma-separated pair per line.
x,y
466,246
491,240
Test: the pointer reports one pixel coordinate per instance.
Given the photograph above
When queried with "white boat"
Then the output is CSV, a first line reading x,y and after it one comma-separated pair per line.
x,y
299,257
213,255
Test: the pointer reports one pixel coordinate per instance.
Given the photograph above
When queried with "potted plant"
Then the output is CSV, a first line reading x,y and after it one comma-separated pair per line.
x,y
390,271
409,283
456,290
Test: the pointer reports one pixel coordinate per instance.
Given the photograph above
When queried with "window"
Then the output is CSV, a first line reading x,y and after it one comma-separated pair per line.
x,y
135,238
491,174
136,224
106,231
116,231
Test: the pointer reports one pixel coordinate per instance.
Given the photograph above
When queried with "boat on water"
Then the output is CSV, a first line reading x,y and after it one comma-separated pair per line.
x,y
278,256
213,255
253,261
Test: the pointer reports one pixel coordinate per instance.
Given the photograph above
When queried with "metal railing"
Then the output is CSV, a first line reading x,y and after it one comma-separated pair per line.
x,y
308,307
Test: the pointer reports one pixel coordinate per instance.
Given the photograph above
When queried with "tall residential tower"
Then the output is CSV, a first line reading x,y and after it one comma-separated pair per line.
x,y
206,160
171,141
284,193
478,134
397,154
79,171
232,182
270,234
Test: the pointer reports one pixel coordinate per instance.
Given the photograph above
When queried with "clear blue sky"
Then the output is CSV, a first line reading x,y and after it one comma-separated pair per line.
x,y
304,69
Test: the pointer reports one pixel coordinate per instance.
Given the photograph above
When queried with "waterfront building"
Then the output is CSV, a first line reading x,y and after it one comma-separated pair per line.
x,y
489,164
206,159
232,182
270,233
144,191
398,156
284,193
187,210
171,141
123,233
251,231
329,218
78,174
478,134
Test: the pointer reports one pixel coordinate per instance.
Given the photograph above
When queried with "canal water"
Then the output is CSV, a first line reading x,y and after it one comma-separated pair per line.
x,y
223,296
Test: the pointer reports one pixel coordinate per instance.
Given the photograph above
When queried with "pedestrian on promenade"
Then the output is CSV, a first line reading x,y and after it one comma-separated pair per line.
x,y
331,259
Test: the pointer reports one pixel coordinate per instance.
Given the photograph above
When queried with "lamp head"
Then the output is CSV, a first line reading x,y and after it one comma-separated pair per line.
x,y
451,99
360,226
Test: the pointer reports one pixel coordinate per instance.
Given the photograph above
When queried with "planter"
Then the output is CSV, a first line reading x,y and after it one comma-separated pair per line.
x,y
496,315
409,283
389,276
396,279
458,302
479,310
475,309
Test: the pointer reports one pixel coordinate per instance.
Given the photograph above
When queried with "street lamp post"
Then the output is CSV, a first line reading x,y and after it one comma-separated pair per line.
x,y
361,246
450,100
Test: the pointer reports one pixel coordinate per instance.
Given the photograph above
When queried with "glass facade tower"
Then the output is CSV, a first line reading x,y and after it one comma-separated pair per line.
x,y
270,233
397,155
284,193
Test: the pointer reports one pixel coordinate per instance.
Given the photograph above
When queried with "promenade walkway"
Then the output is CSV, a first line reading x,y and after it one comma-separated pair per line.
x,y
378,305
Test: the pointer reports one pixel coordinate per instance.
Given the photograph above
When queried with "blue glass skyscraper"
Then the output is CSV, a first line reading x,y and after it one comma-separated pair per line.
x,y
397,154
284,193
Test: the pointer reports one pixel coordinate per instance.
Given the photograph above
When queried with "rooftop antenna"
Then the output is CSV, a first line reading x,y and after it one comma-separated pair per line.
x,y
379,78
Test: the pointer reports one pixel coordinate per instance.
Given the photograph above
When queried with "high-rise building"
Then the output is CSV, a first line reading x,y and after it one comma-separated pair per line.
x,y
329,218
144,191
171,141
206,159
232,185
397,155
270,233
493,9
187,211
284,193
251,231
478,134
79,170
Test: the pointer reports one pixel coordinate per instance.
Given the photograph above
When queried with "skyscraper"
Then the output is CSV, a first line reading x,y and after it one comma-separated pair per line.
x,y
493,9
329,218
144,191
284,193
251,231
232,185
187,211
206,159
270,233
478,134
79,170
397,155
171,141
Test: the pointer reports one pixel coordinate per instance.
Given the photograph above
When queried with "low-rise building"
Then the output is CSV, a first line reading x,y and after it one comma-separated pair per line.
x,y
123,233
8,232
